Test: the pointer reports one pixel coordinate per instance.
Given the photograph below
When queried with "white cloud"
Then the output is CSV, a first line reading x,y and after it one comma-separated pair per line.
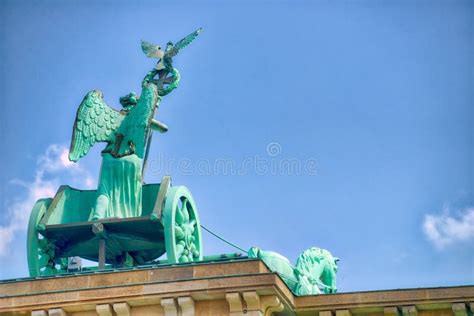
x,y
6,237
52,169
445,229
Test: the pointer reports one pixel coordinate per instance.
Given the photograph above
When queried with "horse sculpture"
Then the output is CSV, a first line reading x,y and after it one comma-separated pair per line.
x,y
314,273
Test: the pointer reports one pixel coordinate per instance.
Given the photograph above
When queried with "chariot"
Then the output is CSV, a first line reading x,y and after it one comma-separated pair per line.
x,y
59,228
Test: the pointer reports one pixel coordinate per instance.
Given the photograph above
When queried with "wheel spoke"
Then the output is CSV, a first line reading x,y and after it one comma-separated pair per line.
x,y
190,229
185,211
194,251
179,216
179,232
179,249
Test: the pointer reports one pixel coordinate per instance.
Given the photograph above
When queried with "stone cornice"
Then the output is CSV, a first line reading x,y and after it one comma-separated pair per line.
x,y
244,285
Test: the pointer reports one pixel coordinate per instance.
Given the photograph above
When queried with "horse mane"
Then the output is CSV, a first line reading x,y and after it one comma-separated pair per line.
x,y
313,256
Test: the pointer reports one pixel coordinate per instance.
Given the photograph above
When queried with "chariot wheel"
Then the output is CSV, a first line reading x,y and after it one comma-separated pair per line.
x,y
181,227
40,251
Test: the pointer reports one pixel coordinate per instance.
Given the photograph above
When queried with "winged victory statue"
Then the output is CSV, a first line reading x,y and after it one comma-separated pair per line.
x,y
127,133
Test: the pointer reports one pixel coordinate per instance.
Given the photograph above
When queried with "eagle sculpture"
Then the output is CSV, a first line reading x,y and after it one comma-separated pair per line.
x,y
165,57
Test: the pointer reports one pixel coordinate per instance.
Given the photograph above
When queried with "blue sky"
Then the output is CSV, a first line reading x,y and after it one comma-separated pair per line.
x,y
371,102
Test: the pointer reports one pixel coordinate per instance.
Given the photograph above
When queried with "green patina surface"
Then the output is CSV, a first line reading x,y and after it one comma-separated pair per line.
x,y
126,223
123,222
126,132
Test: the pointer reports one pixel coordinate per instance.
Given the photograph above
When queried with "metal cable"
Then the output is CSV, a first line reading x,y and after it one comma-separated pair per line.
x,y
224,240
312,280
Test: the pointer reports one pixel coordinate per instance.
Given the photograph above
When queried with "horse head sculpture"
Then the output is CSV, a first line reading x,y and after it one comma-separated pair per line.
x,y
314,273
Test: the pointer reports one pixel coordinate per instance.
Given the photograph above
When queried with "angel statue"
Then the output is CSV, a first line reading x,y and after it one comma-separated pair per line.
x,y
127,133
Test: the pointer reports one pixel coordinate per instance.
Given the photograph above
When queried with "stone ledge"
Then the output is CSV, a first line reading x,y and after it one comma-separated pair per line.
x,y
29,286
232,287
140,287
374,301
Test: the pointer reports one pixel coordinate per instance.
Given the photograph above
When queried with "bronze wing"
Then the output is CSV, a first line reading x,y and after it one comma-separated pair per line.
x,y
95,122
